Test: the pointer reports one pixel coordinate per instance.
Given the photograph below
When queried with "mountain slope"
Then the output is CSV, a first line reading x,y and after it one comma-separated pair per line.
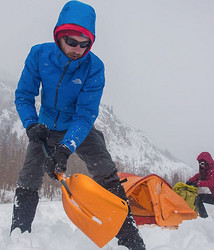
x,y
134,151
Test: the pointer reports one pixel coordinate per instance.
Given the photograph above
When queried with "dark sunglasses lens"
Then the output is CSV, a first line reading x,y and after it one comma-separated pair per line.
x,y
84,44
203,164
71,42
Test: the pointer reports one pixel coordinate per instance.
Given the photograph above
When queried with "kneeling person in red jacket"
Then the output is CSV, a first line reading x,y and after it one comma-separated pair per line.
x,y
205,178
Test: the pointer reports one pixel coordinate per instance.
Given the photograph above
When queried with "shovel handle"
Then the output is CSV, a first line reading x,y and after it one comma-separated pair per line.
x,y
60,177
46,149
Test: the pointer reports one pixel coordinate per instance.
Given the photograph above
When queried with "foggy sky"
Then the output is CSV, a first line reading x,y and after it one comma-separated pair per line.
x,y
159,60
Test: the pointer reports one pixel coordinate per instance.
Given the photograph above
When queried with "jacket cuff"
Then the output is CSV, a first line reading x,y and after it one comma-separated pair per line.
x,y
30,126
70,144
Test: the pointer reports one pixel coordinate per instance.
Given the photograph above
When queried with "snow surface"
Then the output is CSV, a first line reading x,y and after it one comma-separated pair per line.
x,y
53,230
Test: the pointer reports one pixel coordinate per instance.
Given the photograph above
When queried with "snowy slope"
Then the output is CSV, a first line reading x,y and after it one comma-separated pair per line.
x,y
134,149
53,230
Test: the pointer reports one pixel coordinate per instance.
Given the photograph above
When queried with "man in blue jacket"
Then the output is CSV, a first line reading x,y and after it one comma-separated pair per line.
x,y
72,81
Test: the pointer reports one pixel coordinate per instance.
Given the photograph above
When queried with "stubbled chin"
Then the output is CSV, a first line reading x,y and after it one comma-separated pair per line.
x,y
73,57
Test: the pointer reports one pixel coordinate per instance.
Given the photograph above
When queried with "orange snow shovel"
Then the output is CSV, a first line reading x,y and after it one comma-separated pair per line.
x,y
94,210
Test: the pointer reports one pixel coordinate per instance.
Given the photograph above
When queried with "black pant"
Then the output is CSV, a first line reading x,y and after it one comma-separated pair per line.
x,y
98,160
204,198
92,151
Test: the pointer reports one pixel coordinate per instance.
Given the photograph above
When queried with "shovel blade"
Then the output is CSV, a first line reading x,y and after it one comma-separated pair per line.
x,y
94,210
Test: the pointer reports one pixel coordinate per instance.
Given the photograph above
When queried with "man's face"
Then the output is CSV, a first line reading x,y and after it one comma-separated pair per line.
x,y
73,53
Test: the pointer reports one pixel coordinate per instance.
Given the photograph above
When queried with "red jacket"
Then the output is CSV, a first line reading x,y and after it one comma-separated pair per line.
x,y
209,173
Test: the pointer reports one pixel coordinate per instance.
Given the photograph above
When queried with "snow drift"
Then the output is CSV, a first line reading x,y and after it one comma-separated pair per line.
x,y
53,230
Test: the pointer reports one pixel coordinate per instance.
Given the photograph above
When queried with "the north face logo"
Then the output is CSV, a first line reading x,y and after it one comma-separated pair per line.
x,y
77,81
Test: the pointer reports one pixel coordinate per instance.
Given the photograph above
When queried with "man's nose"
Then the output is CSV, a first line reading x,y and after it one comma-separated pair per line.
x,y
77,48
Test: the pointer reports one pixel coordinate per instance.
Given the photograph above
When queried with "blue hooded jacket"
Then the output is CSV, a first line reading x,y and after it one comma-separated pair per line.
x,y
71,90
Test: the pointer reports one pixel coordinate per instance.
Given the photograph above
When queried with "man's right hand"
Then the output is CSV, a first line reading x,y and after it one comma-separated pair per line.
x,y
38,132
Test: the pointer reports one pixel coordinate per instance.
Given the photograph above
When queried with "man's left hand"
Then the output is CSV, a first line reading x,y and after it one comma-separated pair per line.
x,y
58,161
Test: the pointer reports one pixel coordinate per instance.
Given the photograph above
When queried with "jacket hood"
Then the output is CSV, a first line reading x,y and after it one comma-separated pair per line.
x,y
75,12
207,157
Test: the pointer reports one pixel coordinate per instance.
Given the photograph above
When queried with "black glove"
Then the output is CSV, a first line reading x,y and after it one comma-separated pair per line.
x,y
38,132
58,161
192,183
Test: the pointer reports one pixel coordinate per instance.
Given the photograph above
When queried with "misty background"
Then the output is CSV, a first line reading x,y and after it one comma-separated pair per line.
x,y
159,60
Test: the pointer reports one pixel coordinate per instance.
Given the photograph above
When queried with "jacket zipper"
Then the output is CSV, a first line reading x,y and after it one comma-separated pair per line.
x,y
57,90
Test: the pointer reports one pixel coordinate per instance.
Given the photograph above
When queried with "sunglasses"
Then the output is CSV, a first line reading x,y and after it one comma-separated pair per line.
x,y
203,164
74,43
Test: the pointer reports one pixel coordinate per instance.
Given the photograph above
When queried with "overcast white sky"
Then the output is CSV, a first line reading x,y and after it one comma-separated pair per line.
x,y
159,59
